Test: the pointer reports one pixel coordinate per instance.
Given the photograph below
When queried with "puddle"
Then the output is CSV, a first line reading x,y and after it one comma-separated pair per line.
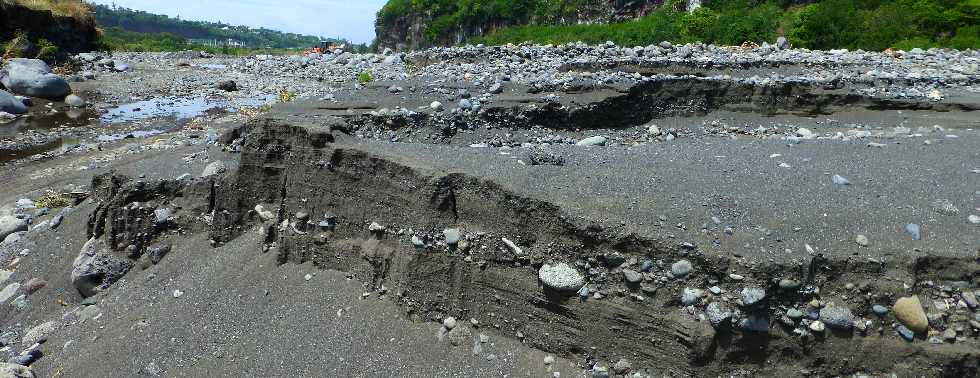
x,y
49,121
175,109
178,107
62,144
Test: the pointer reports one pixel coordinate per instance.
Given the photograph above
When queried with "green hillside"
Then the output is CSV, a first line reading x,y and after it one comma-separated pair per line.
x,y
150,31
816,24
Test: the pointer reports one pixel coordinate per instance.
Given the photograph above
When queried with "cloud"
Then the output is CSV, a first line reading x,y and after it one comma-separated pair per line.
x,y
353,20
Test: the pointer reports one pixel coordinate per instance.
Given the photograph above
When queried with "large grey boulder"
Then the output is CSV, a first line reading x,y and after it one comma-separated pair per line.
x,y
11,104
32,77
10,224
96,267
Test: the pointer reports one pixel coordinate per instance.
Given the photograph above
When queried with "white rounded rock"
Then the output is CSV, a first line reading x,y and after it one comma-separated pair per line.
x,y
561,277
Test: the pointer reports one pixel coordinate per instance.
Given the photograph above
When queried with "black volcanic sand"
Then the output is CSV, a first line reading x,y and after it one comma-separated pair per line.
x,y
373,301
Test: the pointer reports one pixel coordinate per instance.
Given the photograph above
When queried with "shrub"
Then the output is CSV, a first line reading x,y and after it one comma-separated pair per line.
x,y
18,47
46,50
364,77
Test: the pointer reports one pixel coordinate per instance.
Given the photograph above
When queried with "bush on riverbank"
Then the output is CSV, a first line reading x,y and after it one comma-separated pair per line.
x,y
829,24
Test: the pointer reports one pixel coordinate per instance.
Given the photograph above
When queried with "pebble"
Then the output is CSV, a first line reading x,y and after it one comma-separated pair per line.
x,y
913,229
691,296
436,105
862,240
178,293
908,311
817,326
879,310
973,219
549,359
794,313
632,277
308,277
905,333
452,235
681,268
789,284
449,323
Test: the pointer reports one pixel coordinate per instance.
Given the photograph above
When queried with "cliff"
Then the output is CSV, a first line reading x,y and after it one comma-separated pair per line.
x,y
416,24
71,33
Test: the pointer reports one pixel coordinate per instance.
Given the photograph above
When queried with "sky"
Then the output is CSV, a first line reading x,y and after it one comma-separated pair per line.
x,y
349,19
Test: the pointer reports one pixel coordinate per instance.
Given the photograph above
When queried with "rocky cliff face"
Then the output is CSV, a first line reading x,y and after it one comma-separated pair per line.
x,y
408,32
70,34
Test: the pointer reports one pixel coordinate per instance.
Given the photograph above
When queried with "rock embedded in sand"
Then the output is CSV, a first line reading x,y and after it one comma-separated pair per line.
x,y
719,314
592,141
751,296
681,268
96,268
908,311
837,316
862,240
560,277
215,168
452,235
449,323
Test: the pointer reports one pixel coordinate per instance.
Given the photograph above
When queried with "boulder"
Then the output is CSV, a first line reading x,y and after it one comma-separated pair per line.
x,y
908,311
32,77
11,104
96,268
10,224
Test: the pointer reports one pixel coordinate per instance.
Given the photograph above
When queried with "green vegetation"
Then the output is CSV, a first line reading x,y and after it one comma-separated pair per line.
x,y
17,47
65,8
143,22
364,77
448,15
53,200
116,39
46,50
820,24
